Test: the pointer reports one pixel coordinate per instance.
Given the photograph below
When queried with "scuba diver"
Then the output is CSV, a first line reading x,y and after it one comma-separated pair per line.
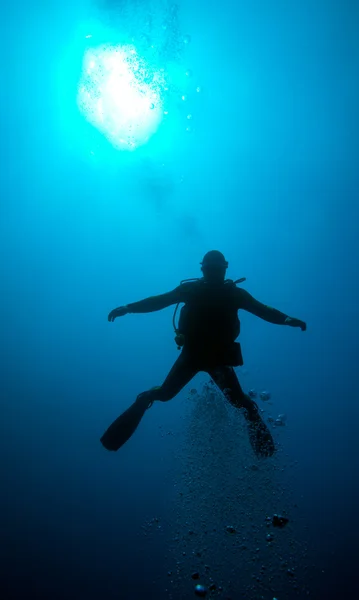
x,y
207,329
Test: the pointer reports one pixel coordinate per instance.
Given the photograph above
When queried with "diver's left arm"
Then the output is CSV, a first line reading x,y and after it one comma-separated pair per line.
x,y
267,313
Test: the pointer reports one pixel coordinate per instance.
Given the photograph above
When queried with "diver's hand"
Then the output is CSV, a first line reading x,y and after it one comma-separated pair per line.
x,y
121,311
295,323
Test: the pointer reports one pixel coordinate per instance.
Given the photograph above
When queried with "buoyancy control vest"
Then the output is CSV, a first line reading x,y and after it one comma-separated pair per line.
x,y
205,301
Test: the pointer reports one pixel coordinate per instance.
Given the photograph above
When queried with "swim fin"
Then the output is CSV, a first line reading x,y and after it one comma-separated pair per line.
x,y
126,424
261,438
259,435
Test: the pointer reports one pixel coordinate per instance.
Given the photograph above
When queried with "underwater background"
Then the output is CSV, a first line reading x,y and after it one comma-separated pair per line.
x,y
236,128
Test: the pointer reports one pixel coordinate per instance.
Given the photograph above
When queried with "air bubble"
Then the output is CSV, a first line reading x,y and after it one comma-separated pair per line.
x,y
186,39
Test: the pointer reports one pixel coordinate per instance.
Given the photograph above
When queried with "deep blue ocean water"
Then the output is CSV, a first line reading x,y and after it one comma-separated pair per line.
x,y
267,173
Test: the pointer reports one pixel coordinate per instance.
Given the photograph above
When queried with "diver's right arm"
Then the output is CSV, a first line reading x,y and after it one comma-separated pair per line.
x,y
150,304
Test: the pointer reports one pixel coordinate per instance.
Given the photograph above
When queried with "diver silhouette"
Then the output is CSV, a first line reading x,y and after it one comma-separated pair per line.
x,y
207,329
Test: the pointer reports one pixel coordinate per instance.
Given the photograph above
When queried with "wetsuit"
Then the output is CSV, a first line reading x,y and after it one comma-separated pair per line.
x,y
212,327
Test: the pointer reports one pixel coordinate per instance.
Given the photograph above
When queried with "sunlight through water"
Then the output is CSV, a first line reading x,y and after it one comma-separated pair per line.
x,y
121,95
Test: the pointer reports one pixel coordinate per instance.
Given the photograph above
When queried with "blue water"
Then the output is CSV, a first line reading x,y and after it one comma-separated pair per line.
x,y
269,175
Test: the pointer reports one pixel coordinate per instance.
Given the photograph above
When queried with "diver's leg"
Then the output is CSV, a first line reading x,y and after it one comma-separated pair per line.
x,y
183,370
259,434
126,424
227,381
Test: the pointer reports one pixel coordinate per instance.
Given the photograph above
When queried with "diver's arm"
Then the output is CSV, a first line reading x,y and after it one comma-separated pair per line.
x,y
154,303
267,313
150,304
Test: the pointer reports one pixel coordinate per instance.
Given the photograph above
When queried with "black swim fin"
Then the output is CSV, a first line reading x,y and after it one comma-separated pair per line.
x,y
125,425
261,438
259,435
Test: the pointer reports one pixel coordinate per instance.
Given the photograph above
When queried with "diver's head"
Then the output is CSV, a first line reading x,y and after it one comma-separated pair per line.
x,y
214,266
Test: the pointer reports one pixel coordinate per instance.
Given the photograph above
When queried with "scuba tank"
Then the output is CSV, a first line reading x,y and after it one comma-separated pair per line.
x,y
180,337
